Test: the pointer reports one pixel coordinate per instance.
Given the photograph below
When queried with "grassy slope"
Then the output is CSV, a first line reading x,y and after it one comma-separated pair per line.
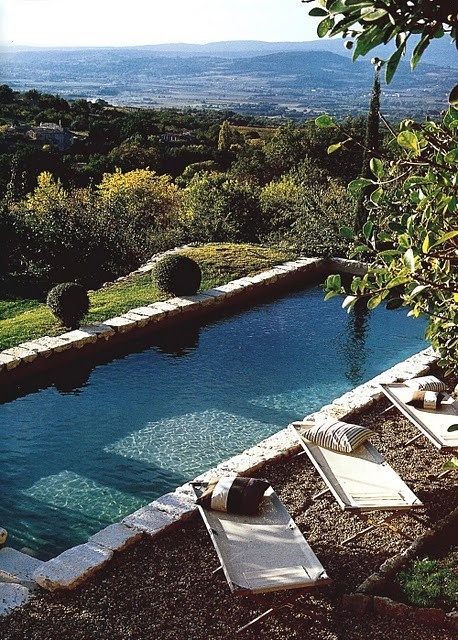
x,y
24,319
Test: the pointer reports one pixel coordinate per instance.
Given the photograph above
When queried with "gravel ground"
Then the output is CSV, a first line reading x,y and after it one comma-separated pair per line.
x,y
164,589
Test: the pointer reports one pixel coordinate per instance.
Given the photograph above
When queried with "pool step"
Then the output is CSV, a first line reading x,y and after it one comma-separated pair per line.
x,y
16,582
18,567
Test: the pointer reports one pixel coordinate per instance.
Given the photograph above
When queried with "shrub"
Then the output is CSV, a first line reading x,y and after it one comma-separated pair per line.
x,y
69,303
177,274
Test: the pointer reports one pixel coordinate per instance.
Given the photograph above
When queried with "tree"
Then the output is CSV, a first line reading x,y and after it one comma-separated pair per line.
x,y
225,137
371,150
306,213
141,197
47,195
411,235
217,208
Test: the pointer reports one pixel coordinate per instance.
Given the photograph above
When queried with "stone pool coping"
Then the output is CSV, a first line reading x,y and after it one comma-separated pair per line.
x,y
21,575
40,355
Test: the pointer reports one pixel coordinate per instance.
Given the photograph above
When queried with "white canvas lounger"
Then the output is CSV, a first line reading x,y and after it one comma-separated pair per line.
x,y
262,553
361,482
432,424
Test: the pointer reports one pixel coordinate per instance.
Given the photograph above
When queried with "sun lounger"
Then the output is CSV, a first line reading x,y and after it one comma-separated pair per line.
x,y
362,482
262,553
432,424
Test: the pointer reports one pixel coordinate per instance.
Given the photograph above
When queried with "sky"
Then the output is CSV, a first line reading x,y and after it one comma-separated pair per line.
x,y
56,23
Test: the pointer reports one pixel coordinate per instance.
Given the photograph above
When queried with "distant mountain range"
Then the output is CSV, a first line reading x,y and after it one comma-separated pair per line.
x,y
441,52
291,79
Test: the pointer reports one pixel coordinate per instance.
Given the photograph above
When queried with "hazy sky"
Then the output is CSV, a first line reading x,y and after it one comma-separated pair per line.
x,y
137,22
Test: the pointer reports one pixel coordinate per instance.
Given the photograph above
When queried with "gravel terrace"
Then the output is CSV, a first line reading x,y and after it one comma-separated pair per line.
x,y
164,589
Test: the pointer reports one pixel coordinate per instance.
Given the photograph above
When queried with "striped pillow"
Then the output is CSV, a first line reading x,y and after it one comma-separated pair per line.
x,y
234,494
338,436
426,383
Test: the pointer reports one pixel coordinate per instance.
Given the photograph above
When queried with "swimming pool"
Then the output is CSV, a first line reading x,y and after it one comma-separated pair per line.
x,y
99,443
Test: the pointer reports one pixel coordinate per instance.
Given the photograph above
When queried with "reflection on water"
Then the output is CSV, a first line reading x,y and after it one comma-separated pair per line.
x,y
96,441
355,339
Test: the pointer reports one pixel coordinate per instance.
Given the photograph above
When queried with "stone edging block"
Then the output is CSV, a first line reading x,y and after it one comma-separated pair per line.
x,y
18,567
116,536
72,567
12,596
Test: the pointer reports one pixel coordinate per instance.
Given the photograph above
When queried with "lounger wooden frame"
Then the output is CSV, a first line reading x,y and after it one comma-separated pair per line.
x,y
362,482
432,424
263,553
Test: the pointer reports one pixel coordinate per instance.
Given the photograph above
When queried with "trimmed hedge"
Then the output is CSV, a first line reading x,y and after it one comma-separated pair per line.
x,y
69,303
177,274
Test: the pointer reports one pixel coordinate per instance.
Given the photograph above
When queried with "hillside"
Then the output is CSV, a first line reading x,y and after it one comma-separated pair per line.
x,y
275,79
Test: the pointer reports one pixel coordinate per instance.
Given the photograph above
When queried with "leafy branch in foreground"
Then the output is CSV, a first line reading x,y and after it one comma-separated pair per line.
x,y
411,234
370,23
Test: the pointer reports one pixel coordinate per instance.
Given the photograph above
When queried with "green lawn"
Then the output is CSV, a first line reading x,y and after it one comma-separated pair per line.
x,y
27,317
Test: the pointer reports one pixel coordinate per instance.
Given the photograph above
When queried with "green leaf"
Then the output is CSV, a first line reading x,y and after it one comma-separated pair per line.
x,y
453,97
452,464
397,282
324,26
452,156
367,229
356,186
389,253
373,15
418,289
404,241
348,233
324,121
355,283
334,147
339,6
419,50
334,282
426,244
414,181
370,38
376,195
376,167
392,64
409,141
359,249
396,226
317,12
444,238
374,301
409,260
330,294
453,427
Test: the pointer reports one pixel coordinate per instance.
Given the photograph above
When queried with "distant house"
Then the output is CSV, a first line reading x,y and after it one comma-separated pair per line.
x,y
178,136
51,133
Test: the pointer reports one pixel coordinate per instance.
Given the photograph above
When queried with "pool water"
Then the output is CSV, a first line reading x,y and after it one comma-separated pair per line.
x,y
95,445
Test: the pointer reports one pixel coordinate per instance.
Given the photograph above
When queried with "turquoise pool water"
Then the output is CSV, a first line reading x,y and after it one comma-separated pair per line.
x,y
96,444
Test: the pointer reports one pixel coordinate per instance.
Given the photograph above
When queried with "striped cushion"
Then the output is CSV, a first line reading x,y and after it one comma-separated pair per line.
x,y
234,494
338,436
426,383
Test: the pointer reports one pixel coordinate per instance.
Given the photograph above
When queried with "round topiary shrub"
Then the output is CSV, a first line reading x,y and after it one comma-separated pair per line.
x,y
69,303
177,274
